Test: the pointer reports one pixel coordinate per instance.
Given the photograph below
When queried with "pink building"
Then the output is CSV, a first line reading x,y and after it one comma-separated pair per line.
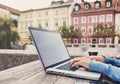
x,y
86,15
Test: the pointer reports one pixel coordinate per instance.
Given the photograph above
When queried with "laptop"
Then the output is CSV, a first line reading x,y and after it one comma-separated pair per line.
x,y
54,55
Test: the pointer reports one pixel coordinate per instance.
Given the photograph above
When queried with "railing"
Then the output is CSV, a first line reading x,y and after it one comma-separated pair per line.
x,y
94,45
112,50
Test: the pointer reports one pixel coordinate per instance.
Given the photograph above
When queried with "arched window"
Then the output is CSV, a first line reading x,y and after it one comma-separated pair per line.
x,y
87,6
108,3
53,3
77,7
97,5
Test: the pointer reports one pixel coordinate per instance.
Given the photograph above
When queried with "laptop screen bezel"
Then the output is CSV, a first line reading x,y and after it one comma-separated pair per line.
x,y
38,29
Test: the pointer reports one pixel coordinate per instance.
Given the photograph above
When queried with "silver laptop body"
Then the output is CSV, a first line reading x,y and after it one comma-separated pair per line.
x,y
54,55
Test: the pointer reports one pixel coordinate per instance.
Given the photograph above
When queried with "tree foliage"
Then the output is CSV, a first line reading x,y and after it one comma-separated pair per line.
x,y
64,31
14,37
101,31
69,32
75,33
5,33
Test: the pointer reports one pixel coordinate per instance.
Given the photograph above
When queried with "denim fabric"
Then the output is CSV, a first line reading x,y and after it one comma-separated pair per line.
x,y
110,68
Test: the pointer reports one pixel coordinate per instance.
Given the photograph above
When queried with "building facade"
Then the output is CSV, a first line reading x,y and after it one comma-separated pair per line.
x,y
117,19
87,15
51,18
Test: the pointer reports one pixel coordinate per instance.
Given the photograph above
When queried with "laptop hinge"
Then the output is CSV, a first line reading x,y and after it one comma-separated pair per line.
x,y
57,63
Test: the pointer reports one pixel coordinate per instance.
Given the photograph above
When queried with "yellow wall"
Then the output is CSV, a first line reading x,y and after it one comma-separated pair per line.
x,y
39,16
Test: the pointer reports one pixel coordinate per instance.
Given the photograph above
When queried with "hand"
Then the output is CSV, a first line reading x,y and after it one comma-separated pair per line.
x,y
81,61
97,58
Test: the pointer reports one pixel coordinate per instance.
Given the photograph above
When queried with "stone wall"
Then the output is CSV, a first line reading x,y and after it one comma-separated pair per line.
x,y
9,60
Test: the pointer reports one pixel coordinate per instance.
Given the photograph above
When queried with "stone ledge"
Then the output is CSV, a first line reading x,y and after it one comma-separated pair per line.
x,y
12,60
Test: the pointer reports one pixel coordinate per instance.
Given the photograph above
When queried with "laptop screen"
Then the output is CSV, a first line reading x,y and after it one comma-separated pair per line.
x,y
50,46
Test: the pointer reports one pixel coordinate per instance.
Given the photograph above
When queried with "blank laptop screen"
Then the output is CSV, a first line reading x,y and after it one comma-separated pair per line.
x,y
50,46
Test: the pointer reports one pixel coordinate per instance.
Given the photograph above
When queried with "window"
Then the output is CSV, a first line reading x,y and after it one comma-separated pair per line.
x,y
87,6
26,25
53,3
90,30
24,35
94,19
46,13
83,19
75,20
64,11
64,22
31,24
89,19
109,18
56,23
94,40
56,12
97,4
83,40
101,40
30,15
75,41
101,18
108,3
21,25
108,40
39,24
77,7
83,30
46,23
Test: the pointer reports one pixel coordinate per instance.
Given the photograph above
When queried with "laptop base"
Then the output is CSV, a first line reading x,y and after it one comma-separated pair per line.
x,y
78,73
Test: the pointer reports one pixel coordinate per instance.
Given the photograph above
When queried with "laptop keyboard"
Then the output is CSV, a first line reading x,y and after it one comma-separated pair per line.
x,y
67,67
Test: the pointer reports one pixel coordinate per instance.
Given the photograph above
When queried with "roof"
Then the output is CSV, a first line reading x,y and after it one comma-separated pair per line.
x,y
11,10
93,10
69,0
49,7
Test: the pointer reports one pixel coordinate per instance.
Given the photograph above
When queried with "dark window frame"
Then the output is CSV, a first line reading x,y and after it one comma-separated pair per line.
x,y
108,1
97,2
89,6
78,8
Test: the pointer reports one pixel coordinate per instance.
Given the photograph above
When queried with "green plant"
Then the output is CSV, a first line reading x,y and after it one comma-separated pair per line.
x,y
101,31
69,32
14,37
6,35
75,33
5,32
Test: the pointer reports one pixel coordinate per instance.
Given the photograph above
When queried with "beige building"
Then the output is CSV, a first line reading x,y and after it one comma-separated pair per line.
x,y
51,18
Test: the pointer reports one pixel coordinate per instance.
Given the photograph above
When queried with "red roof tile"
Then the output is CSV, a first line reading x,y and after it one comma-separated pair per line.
x,y
92,9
